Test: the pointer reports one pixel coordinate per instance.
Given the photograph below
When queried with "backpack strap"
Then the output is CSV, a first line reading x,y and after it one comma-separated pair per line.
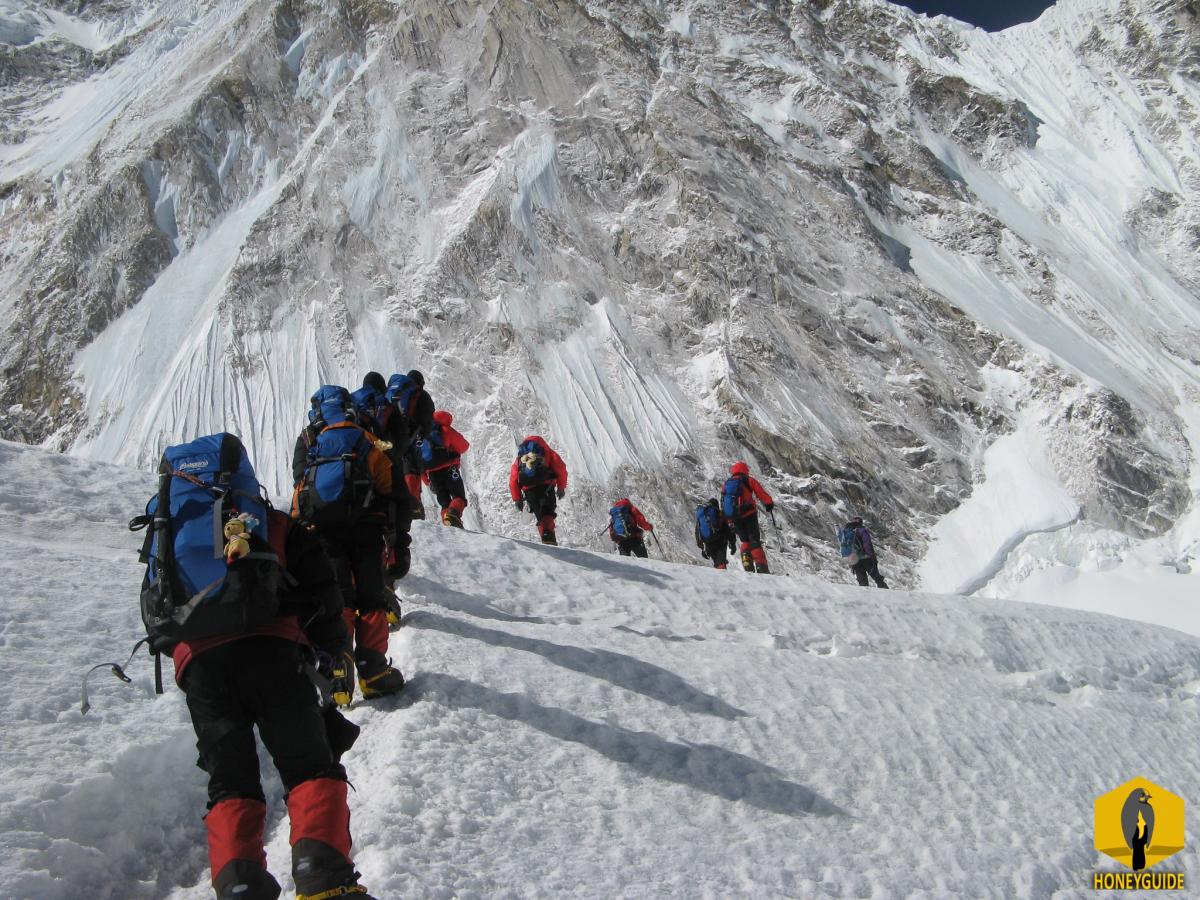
x,y
164,559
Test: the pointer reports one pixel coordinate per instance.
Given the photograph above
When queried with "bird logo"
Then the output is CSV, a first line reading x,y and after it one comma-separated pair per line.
x,y
1139,824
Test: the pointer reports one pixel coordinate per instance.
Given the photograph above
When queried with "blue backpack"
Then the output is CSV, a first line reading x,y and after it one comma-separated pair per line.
x,y
430,449
368,403
330,404
849,544
708,522
531,463
402,394
733,497
337,486
622,520
190,591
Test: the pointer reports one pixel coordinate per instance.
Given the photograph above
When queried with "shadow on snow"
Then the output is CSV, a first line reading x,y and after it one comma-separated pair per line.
x,y
704,767
619,669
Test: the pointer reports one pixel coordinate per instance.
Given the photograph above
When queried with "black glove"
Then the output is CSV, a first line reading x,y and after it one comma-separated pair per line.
x,y
399,568
340,731
519,504
769,507
341,679
561,492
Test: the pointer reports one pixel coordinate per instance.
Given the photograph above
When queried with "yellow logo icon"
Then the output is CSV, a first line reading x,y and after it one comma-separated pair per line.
x,y
1139,824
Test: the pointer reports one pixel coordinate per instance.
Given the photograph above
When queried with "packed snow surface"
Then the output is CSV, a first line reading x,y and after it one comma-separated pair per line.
x,y
583,725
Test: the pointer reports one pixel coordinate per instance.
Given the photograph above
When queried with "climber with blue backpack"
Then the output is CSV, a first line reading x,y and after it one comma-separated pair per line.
x,y
371,406
405,422
858,552
713,534
627,527
344,493
738,503
369,402
440,459
243,600
538,478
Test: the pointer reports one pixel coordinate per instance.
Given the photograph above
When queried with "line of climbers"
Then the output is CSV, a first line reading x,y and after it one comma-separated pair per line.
x,y
731,525
268,617
717,523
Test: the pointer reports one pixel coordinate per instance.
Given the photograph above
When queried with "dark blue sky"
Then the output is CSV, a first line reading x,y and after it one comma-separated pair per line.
x,y
990,15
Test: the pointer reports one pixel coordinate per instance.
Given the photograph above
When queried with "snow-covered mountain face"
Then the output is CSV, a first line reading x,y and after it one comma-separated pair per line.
x,y
894,262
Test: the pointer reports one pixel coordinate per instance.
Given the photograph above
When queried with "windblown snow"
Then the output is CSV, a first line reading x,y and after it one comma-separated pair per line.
x,y
583,725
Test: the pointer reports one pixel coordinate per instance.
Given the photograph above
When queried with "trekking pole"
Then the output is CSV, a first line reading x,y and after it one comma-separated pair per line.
x,y
657,544
778,533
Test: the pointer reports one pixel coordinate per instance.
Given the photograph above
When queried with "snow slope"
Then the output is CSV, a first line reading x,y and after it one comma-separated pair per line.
x,y
583,725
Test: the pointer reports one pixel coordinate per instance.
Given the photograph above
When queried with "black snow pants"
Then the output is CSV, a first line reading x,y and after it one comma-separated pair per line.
x,y
634,545
716,548
447,485
356,553
259,681
868,565
754,557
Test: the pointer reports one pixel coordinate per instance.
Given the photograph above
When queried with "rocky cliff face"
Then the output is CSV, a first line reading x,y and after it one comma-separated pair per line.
x,y
850,244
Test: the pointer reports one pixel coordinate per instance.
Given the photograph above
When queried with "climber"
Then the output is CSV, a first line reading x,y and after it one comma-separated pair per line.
x,y
538,478
738,503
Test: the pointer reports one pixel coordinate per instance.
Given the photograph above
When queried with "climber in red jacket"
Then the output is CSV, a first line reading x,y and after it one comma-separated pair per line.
x,y
538,477
440,459
738,504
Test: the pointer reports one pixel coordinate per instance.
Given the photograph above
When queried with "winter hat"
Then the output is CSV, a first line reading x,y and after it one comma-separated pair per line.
x,y
443,417
375,380
416,376
739,468
712,501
